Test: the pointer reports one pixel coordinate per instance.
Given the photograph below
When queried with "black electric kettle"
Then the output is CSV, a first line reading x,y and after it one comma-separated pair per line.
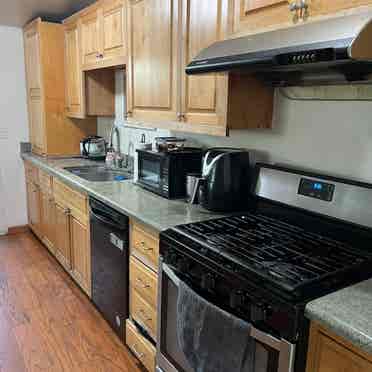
x,y
226,180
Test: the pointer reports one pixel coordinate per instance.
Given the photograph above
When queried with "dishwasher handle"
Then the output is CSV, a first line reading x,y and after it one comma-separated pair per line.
x,y
106,221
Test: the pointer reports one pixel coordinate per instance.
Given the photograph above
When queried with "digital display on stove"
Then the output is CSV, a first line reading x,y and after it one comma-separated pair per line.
x,y
316,189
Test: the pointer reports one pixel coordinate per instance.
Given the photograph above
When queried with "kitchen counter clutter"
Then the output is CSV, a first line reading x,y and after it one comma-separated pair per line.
x,y
347,313
126,197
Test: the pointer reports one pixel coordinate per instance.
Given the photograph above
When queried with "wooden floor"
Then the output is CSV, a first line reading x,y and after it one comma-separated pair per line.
x,y
46,323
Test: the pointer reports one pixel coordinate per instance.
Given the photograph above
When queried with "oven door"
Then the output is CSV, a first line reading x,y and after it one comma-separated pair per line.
x,y
149,171
271,354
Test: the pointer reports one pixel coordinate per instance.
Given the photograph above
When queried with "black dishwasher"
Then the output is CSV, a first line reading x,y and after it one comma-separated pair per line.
x,y
109,232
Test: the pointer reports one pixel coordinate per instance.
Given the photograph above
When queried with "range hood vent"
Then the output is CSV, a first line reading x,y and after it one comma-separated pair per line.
x,y
332,51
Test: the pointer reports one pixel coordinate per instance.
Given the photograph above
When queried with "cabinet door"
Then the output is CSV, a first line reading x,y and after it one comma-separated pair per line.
x,y
36,122
153,63
323,7
80,254
114,31
62,236
251,15
48,220
32,59
34,213
91,38
328,354
74,77
203,97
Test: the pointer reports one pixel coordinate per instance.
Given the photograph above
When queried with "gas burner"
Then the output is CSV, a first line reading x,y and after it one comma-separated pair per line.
x,y
281,252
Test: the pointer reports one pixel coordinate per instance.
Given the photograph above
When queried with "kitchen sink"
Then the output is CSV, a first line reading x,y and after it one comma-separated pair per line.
x,y
99,173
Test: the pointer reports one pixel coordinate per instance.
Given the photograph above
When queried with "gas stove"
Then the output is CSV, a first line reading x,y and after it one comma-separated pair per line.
x,y
304,236
288,257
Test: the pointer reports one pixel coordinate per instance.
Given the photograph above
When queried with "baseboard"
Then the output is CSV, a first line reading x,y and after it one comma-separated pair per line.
x,y
18,229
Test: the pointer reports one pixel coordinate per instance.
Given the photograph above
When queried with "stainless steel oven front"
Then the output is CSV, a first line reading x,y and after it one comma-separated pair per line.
x,y
271,354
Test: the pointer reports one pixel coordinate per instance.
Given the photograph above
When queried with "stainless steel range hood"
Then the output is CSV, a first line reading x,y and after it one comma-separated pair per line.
x,y
331,51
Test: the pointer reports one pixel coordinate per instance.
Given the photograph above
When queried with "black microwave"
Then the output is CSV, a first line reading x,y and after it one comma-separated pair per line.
x,y
164,173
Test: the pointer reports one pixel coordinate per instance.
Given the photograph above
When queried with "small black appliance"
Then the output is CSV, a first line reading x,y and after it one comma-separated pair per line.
x,y
226,180
164,173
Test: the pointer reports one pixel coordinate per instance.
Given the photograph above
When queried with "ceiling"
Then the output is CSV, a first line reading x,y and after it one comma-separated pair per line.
x,y
19,12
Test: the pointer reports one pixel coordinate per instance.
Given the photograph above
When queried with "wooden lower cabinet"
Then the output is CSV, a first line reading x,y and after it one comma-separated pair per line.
x,y
48,220
33,201
141,348
330,353
143,292
58,215
80,252
63,244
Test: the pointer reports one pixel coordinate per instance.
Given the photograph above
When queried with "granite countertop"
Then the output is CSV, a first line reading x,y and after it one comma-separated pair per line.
x,y
347,313
125,196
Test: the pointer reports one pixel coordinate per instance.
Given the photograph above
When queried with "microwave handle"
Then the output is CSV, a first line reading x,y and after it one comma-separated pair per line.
x,y
286,349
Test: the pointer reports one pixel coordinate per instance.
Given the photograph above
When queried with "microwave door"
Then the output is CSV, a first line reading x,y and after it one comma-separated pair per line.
x,y
149,171
271,354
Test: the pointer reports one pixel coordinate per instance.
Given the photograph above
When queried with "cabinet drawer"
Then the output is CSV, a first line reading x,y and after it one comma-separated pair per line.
x,y
145,246
140,347
45,182
72,199
143,312
144,281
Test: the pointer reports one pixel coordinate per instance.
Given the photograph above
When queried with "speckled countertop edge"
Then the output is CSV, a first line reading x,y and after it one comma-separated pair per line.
x,y
347,313
125,197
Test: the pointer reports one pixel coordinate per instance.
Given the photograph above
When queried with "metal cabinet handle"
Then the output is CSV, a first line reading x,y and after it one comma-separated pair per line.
x,y
99,55
143,247
300,8
143,284
144,315
137,353
67,211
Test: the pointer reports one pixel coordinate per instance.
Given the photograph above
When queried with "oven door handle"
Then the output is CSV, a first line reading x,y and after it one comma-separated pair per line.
x,y
286,349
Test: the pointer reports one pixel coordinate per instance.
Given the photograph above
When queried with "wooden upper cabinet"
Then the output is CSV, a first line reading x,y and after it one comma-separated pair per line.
x,y
251,16
90,37
153,61
75,93
103,33
203,97
330,353
32,56
114,18
36,123
46,91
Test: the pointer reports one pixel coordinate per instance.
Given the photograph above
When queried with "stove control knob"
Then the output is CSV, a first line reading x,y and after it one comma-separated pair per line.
x,y
257,312
237,299
208,282
261,311
182,264
172,258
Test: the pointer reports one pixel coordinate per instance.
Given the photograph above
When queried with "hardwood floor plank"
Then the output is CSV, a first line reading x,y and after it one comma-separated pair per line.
x,y
11,359
48,322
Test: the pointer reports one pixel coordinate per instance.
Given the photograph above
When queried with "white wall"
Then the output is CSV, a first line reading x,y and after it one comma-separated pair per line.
x,y
329,136
127,134
13,128
332,137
